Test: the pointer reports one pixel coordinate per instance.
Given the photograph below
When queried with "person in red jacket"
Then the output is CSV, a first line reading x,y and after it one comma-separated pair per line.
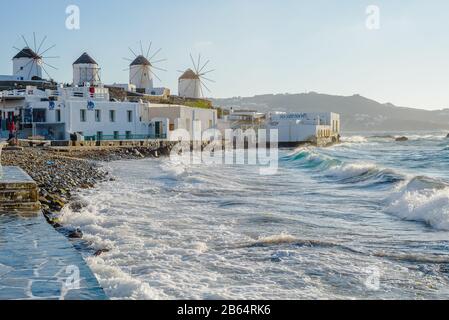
x,y
11,126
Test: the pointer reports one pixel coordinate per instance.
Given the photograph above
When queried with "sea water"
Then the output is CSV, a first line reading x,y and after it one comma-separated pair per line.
x,y
366,219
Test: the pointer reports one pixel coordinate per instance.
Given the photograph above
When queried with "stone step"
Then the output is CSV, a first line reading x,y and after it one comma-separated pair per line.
x,y
23,208
18,195
18,192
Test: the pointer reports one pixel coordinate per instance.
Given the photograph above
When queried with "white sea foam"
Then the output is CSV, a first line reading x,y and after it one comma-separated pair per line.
x,y
275,239
354,139
119,284
421,200
176,234
346,171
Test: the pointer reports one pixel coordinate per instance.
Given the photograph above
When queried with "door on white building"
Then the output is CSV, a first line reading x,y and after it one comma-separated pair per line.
x,y
158,129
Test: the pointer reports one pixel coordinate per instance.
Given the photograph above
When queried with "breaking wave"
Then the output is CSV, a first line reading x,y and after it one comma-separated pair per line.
x,y
287,239
342,172
422,199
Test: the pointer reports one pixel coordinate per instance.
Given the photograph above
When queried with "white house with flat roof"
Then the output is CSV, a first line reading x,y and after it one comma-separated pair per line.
x,y
304,127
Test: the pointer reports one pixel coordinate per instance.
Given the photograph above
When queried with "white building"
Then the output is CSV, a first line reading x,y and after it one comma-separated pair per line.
x,y
304,127
86,71
56,114
86,108
183,117
189,85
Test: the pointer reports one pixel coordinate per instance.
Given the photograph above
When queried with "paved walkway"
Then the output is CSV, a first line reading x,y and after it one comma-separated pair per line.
x,y
36,262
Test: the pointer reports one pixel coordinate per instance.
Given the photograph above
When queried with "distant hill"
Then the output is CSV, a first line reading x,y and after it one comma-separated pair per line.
x,y
358,113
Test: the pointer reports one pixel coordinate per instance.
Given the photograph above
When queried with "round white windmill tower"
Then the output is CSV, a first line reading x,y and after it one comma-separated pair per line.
x,y
190,83
86,71
140,74
142,69
27,65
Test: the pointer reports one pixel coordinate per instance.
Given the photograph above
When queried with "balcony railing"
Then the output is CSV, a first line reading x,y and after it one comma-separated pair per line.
x,y
125,137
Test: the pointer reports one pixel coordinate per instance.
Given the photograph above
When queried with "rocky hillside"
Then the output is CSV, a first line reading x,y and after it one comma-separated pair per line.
x,y
358,113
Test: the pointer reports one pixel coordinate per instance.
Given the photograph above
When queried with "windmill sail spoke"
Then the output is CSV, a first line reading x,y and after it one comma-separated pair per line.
x,y
149,49
141,75
17,49
160,69
127,59
132,52
34,39
50,65
31,69
202,92
25,40
207,72
141,48
154,74
204,66
158,61
49,76
194,65
155,54
55,57
210,80
48,49
40,45
198,65
204,85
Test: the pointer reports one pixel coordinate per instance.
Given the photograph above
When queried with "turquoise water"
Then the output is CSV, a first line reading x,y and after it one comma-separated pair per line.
x,y
367,219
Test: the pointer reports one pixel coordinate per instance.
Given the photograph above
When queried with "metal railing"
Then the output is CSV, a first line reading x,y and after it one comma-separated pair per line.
x,y
125,137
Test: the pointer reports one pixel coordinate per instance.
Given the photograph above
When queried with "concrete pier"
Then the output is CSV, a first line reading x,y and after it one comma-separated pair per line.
x,y
18,192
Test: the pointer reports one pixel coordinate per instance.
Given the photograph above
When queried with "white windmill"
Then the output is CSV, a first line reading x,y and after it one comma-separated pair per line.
x,y
141,69
29,63
86,71
191,82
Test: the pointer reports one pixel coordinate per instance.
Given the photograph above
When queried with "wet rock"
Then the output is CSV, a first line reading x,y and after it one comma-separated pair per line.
x,y
401,139
100,252
75,234
78,205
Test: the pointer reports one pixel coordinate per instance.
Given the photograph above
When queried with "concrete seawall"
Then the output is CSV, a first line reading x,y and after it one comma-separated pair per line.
x,y
36,262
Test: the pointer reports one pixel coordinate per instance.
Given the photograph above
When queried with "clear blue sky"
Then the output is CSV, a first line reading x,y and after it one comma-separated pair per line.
x,y
257,46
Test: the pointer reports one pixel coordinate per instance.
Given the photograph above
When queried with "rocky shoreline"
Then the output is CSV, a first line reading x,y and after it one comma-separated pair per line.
x,y
60,175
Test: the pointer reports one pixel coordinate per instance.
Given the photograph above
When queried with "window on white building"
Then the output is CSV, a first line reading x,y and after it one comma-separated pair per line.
x,y
130,115
112,115
99,135
97,115
128,135
116,135
83,115
58,115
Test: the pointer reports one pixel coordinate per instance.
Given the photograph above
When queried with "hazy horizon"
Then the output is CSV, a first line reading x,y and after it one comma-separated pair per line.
x,y
261,47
